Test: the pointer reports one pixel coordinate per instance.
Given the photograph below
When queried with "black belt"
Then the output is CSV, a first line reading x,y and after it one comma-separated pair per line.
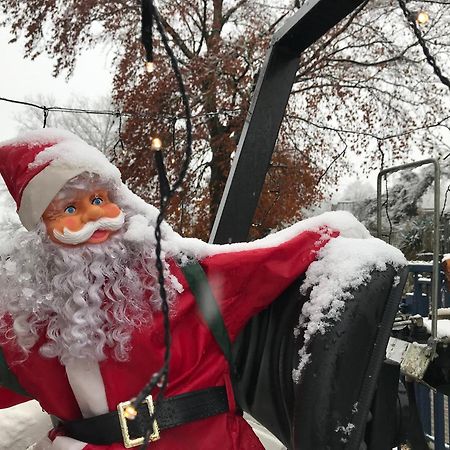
x,y
109,428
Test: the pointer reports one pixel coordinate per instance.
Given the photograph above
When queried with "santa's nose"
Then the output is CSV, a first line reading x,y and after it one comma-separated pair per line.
x,y
92,214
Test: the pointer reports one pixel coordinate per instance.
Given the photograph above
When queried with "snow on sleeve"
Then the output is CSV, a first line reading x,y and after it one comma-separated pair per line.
x,y
342,265
342,221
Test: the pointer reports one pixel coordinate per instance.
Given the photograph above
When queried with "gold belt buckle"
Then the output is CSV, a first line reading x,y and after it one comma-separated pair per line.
x,y
127,441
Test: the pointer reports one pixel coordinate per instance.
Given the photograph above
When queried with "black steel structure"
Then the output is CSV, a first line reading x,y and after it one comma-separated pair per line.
x,y
306,416
267,109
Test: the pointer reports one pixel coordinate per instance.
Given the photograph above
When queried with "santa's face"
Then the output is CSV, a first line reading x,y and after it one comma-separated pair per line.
x,y
85,216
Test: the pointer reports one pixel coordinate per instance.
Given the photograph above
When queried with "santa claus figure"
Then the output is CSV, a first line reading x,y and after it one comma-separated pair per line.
x,y
81,328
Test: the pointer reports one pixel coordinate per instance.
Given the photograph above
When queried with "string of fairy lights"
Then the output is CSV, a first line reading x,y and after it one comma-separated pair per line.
x,y
150,15
151,19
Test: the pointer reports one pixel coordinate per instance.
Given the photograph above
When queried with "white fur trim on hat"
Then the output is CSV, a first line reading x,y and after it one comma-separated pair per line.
x,y
67,157
40,192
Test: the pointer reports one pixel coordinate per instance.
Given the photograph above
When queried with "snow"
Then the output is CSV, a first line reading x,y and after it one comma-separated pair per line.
x,y
345,431
341,221
41,136
443,312
68,151
22,425
342,265
420,263
443,328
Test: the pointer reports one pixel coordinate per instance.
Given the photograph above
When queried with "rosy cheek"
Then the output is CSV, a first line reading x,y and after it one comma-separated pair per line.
x,y
111,210
71,223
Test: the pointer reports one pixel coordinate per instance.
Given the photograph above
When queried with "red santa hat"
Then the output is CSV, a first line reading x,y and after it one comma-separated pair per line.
x,y
37,164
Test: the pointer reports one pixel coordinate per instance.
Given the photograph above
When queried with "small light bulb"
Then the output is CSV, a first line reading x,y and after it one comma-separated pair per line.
x,y
149,66
156,144
130,412
422,17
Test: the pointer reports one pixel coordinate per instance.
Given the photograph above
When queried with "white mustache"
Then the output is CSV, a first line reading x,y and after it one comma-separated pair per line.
x,y
80,236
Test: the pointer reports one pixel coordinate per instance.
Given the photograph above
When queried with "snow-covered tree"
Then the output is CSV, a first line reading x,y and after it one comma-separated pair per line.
x,y
407,212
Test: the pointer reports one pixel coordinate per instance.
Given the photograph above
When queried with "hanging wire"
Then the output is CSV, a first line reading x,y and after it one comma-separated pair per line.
x,y
386,202
445,201
64,109
184,99
141,115
147,32
426,51
334,159
160,378
45,116
119,140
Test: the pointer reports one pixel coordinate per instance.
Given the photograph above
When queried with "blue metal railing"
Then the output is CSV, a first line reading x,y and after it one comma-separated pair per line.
x,y
433,406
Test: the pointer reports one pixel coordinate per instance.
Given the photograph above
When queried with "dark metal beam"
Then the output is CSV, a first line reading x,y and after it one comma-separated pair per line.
x,y
255,148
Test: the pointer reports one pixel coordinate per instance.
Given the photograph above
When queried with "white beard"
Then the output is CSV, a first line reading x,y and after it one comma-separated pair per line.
x,y
85,298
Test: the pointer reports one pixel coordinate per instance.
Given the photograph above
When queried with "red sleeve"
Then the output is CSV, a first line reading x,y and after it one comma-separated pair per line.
x,y
245,282
9,398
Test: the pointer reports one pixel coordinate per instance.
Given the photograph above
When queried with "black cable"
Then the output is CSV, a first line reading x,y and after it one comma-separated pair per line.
x,y
45,116
387,209
184,99
386,203
164,186
330,165
119,140
429,57
147,29
334,159
161,377
63,109
445,201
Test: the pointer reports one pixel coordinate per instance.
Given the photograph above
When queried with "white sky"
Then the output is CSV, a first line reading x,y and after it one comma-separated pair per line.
x,y
23,79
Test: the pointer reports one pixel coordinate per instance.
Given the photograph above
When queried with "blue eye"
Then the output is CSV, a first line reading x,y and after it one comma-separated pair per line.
x,y
70,209
97,201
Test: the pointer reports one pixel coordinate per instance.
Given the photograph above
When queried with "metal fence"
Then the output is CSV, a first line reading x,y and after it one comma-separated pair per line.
x,y
433,406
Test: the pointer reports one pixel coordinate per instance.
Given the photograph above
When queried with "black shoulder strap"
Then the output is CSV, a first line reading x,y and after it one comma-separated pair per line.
x,y
8,379
207,304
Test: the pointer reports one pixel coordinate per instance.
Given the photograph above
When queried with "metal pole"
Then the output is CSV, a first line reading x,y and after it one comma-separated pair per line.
x,y
260,132
436,226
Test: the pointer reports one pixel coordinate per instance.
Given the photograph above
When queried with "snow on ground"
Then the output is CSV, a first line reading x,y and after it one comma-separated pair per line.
x,y
22,425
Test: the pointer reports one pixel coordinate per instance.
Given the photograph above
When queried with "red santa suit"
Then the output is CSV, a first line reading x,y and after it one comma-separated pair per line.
x,y
244,279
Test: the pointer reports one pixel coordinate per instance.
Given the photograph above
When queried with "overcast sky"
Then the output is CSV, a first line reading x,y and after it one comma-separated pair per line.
x,y
22,79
